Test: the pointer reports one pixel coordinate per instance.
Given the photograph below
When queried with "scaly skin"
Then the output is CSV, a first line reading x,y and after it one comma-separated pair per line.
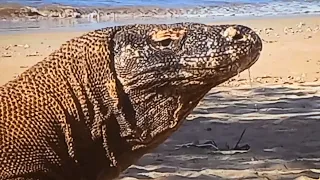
x,y
101,101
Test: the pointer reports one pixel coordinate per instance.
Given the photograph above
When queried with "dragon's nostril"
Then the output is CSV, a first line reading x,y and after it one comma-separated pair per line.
x,y
238,36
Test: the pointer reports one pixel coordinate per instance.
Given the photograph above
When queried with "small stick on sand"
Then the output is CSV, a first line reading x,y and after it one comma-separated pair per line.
x,y
237,145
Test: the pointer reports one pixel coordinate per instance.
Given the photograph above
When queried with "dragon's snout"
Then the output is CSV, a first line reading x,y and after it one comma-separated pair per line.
x,y
248,39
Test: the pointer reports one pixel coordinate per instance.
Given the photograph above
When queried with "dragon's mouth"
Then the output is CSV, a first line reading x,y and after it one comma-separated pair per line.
x,y
251,60
255,58
255,50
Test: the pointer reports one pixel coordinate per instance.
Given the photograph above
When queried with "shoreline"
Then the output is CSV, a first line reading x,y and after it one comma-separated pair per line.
x,y
16,17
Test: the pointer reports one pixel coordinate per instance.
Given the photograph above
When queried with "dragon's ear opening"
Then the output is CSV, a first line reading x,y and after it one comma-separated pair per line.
x,y
166,42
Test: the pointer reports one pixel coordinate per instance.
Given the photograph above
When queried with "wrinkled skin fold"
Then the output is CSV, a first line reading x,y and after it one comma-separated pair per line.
x,y
102,100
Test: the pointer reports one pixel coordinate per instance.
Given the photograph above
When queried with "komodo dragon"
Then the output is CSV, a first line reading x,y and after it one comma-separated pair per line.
x,y
102,100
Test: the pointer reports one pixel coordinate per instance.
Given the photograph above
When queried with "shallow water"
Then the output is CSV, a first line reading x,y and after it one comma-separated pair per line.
x,y
131,2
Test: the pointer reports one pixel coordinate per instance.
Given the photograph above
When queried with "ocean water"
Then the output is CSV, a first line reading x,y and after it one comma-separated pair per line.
x,y
129,2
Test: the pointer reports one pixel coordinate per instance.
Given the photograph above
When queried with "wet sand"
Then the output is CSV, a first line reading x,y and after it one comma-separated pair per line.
x,y
278,107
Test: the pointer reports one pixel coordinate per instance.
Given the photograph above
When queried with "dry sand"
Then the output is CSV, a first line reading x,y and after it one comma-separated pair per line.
x,y
279,108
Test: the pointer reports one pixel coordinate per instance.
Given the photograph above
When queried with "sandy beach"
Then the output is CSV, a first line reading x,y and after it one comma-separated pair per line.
x,y
278,107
